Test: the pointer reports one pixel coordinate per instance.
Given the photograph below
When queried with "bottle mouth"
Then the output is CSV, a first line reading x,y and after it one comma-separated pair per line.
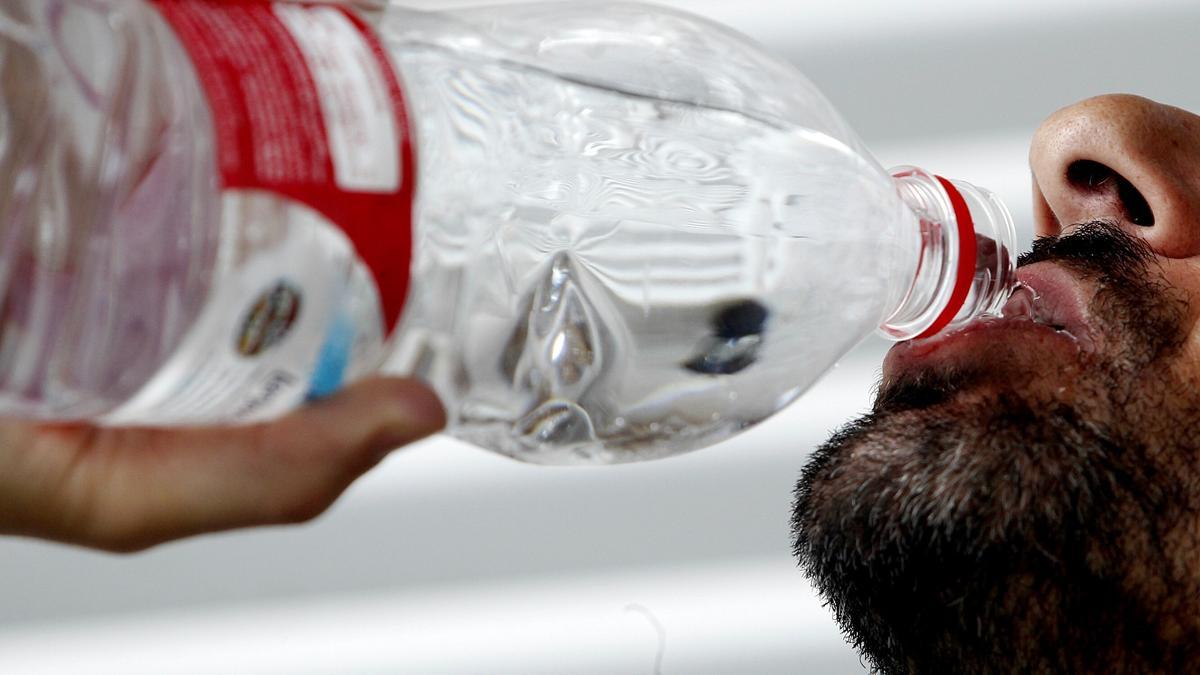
x,y
966,265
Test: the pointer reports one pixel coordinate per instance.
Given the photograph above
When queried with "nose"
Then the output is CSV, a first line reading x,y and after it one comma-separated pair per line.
x,y
1124,159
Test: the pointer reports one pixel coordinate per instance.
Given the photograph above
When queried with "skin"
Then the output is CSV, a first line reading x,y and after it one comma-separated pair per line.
x,y
1015,503
125,490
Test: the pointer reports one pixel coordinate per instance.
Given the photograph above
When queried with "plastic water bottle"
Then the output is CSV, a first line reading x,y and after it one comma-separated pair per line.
x,y
602,231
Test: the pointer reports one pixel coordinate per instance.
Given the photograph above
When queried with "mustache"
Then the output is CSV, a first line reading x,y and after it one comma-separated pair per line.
x,y
1097,248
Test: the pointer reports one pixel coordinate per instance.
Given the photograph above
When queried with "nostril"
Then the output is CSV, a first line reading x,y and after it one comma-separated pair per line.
x,y
1095,177
1089,175
1135,204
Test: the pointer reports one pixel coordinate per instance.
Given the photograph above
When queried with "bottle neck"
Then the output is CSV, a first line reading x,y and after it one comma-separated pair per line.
x,y
964,244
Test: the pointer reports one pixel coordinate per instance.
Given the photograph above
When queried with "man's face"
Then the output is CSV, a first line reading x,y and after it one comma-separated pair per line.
x,y
1023,498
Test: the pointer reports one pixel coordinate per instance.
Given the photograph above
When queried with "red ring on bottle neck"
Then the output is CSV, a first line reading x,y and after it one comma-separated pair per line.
x,y
965,274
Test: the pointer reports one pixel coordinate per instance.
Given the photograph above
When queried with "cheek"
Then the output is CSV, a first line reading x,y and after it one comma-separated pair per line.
x,y
1186,366
1183,275
1181,280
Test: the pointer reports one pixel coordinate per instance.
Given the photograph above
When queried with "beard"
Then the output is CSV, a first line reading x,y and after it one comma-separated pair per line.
x,y
978,522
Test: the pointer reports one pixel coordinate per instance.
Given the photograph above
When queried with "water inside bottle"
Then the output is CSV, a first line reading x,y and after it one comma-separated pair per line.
x,y
603,276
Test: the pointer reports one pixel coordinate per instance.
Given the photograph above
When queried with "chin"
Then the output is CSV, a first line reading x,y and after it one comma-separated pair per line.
x,y
948,537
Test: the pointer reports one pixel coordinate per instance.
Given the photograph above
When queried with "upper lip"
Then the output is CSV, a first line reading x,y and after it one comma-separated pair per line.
x,y
1061,299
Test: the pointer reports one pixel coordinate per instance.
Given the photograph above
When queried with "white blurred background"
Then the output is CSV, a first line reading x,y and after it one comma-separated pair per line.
x,y
451,560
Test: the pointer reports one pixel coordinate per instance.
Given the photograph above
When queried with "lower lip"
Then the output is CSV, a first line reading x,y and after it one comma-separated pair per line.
x,y
976,344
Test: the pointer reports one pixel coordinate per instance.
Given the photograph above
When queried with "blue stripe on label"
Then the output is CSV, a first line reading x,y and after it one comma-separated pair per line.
x,y
329,374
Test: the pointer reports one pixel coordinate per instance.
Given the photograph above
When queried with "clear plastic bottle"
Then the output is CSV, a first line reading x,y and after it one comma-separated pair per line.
x,y
609,231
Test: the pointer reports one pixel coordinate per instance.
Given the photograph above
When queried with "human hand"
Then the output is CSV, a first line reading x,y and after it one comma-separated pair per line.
x,y
127,489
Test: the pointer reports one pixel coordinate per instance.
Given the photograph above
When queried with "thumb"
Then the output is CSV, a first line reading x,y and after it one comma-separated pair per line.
x,y
163,484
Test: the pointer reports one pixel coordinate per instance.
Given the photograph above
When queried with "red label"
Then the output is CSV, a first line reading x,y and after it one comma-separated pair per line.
x,y
306,104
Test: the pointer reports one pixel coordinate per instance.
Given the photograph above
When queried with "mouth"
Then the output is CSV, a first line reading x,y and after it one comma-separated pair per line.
x,y
1046,317
1049,295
